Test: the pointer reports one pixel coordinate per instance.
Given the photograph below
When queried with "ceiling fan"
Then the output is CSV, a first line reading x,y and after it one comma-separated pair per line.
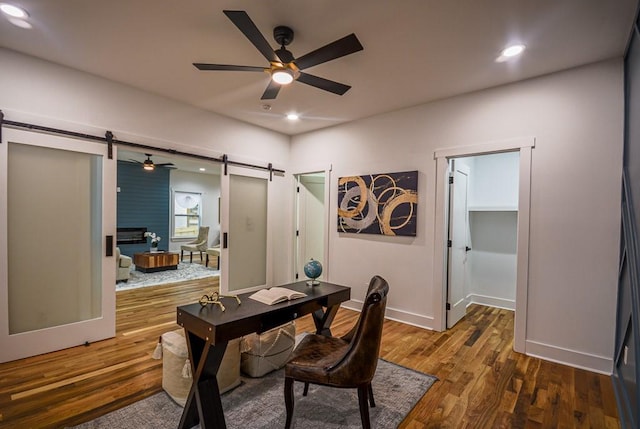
x,y
284,68
148,164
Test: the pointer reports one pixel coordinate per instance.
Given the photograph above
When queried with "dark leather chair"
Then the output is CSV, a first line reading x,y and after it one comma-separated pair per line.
x,y
339,362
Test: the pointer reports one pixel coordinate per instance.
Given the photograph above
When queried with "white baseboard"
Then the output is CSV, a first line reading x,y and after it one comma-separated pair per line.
x,y
418,320
590,362
507,304
576,359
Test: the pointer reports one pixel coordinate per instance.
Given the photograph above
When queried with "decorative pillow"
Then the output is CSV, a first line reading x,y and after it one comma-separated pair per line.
x,y
176,368
266,352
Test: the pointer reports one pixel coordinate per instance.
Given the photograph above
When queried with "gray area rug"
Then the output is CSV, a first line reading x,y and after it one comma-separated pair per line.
x,y
259,403
185,271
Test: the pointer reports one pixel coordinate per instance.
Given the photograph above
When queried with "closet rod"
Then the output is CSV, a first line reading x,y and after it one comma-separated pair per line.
x,y
109,139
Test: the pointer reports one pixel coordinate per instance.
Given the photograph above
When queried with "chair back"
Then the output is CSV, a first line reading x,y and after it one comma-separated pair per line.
x,y
203,234
359,363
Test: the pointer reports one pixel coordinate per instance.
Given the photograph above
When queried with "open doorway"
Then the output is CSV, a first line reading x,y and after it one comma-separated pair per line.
x,y
172,200
482,229
311,222
523,146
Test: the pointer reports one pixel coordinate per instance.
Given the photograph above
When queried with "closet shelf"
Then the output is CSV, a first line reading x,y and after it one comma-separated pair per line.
x,y
493,208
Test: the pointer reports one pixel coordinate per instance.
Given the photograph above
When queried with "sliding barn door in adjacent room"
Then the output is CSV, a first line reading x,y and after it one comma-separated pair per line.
x,y
244,234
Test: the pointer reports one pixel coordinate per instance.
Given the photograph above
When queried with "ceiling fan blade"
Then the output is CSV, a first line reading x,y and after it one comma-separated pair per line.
x,y
322,83
272,91
133,160
164,164
249,29
226,67
341,47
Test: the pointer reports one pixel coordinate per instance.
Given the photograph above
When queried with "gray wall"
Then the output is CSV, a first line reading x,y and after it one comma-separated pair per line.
x,y
626,378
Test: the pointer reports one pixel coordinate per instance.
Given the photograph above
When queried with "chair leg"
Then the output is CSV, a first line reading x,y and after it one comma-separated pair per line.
x,y
200,257
364,406
372,402
306,389
206,264
218,266
190,257
181,255
288,400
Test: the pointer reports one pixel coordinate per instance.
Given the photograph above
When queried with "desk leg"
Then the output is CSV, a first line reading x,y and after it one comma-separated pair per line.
x,y
203,403
324,319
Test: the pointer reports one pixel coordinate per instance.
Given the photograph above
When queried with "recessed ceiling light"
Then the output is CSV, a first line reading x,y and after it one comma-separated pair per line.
x,y
16,15
293,117
20,23
510,52
13,11
202,169
513,50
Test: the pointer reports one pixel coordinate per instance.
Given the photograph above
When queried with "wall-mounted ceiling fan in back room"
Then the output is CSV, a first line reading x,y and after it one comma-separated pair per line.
x,y
284,68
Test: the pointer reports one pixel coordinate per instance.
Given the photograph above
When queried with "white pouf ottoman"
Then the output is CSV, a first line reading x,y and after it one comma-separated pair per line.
x,y
175,356
266,352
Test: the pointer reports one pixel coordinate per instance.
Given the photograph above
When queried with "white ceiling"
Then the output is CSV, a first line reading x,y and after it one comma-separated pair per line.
x,y
415,51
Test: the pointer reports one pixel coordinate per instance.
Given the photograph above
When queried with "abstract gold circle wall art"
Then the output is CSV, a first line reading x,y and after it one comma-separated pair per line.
x,y
378,203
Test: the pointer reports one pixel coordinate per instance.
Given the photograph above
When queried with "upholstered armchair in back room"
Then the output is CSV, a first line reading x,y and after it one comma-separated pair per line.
x,y
123,266
199,245
214,251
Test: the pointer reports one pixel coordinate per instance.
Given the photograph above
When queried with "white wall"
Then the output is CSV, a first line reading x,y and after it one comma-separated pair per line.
x,y
44,93
576,117
494,181
492,260
208,185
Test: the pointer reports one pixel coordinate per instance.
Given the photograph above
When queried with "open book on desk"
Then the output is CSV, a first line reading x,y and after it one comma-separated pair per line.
x,y
276,295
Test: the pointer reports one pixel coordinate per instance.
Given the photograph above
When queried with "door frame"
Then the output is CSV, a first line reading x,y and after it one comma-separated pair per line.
x,y
524,146
327,220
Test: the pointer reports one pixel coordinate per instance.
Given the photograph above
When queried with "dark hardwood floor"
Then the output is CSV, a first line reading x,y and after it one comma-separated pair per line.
x,y
482,383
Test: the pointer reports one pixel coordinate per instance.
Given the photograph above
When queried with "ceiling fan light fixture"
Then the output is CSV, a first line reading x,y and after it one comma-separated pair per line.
x,y
148,163
282,76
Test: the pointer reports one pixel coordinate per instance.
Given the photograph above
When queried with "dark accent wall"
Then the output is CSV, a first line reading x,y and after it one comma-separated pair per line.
x,y
626,378
143,201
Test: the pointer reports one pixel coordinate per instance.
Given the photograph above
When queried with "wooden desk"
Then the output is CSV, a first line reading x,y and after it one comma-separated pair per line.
x,y
148,262
208,330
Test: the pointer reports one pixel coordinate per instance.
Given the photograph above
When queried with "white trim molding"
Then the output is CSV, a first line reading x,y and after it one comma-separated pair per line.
x,y
401,316
491,301
523,145
574,358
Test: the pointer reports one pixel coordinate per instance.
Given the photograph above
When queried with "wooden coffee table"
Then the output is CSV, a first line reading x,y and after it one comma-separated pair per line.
x,y
149,262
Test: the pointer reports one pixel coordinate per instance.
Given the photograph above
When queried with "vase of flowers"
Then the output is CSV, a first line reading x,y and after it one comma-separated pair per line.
x,y
154,240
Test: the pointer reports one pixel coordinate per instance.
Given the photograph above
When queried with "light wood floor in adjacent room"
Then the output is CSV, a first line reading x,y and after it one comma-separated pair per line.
x,y
482,382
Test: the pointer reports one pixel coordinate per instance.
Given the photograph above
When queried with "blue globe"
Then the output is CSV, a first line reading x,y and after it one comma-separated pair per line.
x,y
313,269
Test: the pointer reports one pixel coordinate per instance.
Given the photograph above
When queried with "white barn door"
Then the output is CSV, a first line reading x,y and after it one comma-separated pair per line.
x,y
57,205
